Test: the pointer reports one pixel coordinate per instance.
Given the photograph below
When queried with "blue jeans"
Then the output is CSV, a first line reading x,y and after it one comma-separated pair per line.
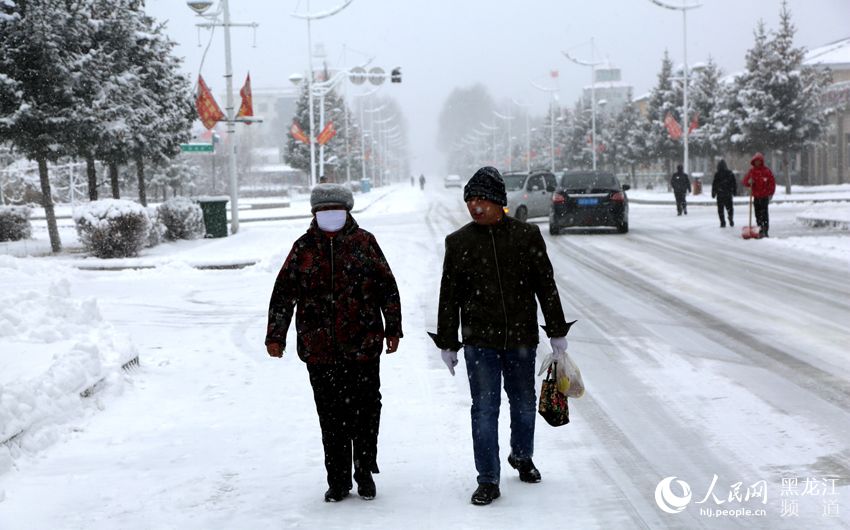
x,y
485,367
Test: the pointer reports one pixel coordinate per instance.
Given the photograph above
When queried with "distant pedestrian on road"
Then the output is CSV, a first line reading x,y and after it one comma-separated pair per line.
x,y
723,188
494,268
412,181
422,181
339,286
681,185
762,185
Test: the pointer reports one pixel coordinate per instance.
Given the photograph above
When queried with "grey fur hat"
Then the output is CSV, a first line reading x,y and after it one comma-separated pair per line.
x,y
325,194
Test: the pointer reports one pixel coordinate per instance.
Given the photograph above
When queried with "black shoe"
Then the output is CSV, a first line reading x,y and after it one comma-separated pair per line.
x,y
365,486
527,471
722,225
335,494
731,222
485,494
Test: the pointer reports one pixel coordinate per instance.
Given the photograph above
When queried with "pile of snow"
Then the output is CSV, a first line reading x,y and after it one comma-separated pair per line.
x,y
53,348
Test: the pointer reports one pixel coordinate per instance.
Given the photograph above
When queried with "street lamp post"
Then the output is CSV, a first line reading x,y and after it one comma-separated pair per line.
x,y
200,7
592,64
526,106
508,120
309,17
552,91
684,8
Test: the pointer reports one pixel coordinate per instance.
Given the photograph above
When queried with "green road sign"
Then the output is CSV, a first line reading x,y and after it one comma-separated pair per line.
x,y
196,148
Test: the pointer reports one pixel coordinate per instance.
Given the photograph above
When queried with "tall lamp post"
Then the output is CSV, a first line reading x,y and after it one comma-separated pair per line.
x,y
527,135
508,120
592,64
684,8
200,7
309,17
553,92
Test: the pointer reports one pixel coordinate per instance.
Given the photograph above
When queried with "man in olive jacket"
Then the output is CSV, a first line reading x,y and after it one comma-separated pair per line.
x,y
494,269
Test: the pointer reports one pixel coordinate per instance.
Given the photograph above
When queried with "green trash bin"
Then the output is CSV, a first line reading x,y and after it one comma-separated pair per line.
x,y
215,215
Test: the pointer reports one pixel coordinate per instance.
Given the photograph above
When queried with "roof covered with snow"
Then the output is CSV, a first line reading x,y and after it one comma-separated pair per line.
x,y
834,54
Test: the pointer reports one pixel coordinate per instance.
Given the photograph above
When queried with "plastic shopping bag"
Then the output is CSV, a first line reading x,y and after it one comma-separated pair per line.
x,y
567,375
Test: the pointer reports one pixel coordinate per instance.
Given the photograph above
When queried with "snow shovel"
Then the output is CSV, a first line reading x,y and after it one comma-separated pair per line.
x,y
750,231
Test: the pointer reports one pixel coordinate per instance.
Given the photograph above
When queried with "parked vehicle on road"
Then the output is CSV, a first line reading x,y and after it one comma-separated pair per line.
x,y
589,198
529,194
452,181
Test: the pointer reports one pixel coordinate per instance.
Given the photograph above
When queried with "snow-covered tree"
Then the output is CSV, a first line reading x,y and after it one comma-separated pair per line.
x,y
40,50
704,100
776,103
663,101
463,112
628,141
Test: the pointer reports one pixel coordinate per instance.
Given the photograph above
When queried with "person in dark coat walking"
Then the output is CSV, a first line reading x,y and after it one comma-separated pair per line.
x,y
681,185
493,270
422,181
341,284
723,188
762,185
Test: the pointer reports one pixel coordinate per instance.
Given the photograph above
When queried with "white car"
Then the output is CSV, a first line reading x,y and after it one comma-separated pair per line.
x,y
529,194
452,181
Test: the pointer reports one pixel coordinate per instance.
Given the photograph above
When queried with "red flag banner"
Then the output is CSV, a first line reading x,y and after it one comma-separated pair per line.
x,y
247,107
296,132
694,123
673,128
208,109
327,133
553,73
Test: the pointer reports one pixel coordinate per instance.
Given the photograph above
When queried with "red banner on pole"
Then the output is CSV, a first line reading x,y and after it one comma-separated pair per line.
x,y
673,128
296,132
247,107
327,133
694,123
208,110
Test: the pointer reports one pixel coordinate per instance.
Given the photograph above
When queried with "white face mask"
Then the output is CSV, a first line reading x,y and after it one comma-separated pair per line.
x,y
331,220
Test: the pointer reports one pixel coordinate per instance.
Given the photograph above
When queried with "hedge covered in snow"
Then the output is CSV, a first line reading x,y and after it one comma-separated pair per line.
x,y
182,218
113,228
15,223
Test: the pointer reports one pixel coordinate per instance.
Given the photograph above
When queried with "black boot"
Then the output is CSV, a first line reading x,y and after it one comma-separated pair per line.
x,y
335,494
365,485
731,222
485,494
527,471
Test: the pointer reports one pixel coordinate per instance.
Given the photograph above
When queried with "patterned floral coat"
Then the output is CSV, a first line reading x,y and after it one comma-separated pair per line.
x,y
339,288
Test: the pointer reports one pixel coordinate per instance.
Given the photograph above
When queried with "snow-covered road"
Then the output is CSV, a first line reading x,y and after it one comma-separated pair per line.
x,y
704,355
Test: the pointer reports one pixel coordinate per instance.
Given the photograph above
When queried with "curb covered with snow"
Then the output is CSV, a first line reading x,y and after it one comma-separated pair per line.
x,y
56,350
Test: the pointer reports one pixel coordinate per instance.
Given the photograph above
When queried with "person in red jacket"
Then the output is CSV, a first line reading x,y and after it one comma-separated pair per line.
x,y
762,185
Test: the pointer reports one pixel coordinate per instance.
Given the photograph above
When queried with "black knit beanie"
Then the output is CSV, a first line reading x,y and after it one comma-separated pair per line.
x,y
486,183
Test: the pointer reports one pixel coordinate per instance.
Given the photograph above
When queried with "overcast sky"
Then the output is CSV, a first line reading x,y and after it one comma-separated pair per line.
x,y
442,44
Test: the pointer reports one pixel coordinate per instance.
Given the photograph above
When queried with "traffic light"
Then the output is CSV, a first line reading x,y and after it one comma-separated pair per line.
x,y
395,75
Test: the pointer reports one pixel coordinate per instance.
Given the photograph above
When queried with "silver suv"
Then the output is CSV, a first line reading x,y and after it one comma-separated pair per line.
x,y
529,194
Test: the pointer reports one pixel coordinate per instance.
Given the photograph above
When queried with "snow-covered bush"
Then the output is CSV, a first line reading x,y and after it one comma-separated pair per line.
x,y
15,223
112,228
182,217
157,231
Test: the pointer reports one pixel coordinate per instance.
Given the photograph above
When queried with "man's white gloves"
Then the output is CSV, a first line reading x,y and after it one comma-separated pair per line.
x,y
559,348
450,358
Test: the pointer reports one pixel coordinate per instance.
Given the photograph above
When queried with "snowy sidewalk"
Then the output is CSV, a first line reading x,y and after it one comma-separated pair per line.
x,y
236,251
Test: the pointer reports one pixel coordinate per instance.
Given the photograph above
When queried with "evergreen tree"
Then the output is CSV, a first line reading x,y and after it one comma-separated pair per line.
x,y
463,111
40,50
628,141
663,101
705,100
777,102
